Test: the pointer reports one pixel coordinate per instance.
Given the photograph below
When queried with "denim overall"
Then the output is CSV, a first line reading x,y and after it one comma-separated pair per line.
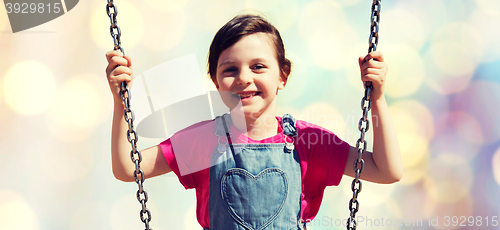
x,y
254,186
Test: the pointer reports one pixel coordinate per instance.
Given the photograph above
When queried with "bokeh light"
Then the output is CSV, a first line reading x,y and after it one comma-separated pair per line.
x,y
1,94
414,149
485,22
441,210
406,70
431,14
469,129
4,20
464,125
449,178
29,87
77,109
349,2
416,173
16,213
450,142
496,166
411,201
477,100
283,17
169,35
214,14
490,6
402,26
98,212
166,6
461,128
455,42
393,207
415,128
442,91
456,50
78,104
327,33
69,164
131,24
412,116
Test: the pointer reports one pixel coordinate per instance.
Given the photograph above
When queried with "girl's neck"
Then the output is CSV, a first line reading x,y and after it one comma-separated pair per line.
x,y
256,127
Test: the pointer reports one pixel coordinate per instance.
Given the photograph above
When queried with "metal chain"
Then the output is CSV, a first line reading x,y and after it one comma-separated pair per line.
x,y
364,123
135,155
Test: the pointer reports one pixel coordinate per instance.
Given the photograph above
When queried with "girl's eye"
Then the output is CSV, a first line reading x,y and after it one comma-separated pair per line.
x,y
258,67
230,70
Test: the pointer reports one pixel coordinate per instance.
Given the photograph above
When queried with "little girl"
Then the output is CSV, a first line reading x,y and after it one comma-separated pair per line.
x,y
252,169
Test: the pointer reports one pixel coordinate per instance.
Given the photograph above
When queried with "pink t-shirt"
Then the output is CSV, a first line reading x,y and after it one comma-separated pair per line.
x,y
322,154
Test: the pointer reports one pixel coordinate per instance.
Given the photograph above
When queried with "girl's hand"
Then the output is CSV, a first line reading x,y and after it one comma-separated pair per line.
x,y
119,69
374,69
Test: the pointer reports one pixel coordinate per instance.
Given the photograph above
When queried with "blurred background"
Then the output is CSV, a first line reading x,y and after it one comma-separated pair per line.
x,y
443,89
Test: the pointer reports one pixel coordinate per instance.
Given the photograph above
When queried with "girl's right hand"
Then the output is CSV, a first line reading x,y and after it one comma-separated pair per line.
x,y
119,69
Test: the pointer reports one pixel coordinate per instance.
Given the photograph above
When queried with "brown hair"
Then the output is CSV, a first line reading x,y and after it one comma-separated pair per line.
x,y
234,30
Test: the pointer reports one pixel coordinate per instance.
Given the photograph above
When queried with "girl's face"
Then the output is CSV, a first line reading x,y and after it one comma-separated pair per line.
x,y
250,71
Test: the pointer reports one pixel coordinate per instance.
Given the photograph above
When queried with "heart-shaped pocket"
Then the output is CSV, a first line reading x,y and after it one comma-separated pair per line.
x,y
254,201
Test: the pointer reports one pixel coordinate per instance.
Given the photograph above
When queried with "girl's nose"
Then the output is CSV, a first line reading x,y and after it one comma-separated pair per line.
x,y
244,78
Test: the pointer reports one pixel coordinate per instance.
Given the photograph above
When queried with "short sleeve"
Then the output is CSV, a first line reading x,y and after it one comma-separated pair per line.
x,y
339,152
323,158
168,152
324,154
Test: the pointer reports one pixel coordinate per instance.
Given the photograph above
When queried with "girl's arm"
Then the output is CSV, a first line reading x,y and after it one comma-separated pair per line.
x,y
384,165
153,163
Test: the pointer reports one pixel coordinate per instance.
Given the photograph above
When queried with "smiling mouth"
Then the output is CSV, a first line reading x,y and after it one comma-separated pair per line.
x,y
247,95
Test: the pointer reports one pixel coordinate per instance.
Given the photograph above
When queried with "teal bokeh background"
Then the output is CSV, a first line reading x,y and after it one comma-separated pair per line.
x,y
442,87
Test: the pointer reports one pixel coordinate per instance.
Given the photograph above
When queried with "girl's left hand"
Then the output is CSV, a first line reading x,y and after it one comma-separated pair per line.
x,y
374,69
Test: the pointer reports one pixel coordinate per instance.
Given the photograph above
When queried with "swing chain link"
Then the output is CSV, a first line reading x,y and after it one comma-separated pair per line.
x,y
375,19
364,123
132,137
114,30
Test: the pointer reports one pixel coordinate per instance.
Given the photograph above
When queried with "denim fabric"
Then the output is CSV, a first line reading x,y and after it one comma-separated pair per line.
x,y
258,186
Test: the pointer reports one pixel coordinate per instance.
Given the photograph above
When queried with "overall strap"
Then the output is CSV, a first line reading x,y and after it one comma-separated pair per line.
x,y
222,125
228,135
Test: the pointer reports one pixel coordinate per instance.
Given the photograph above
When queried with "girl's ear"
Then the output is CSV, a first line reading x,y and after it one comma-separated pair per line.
x,y
283,80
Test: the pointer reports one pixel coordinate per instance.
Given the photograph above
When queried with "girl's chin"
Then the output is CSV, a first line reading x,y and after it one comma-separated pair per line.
x,y
245,112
